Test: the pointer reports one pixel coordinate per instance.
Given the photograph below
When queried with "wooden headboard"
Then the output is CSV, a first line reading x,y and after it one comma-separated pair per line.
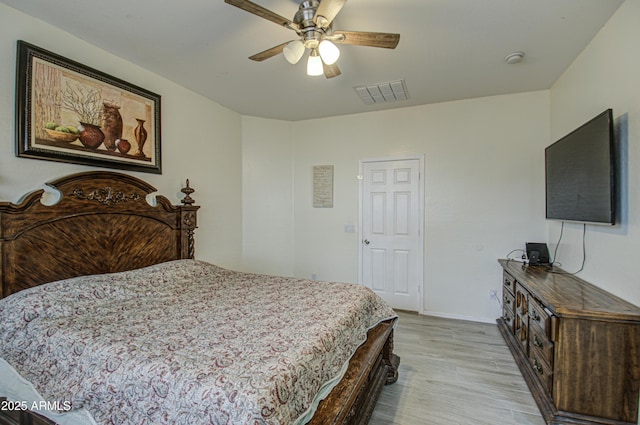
x,y
102,223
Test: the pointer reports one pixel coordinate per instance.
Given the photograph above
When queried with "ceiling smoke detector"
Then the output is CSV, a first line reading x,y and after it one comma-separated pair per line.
x,y
514,57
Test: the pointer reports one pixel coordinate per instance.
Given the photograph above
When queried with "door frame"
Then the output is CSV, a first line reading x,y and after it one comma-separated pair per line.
x,y
421,215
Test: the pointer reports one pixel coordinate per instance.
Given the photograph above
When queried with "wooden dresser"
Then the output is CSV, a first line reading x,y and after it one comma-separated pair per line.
x,y
577,346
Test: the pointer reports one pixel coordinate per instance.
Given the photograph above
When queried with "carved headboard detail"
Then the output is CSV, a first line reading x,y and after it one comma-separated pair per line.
x,y
102,223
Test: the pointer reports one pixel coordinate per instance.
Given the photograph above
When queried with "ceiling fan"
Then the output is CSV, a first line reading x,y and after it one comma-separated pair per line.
x,y
314,25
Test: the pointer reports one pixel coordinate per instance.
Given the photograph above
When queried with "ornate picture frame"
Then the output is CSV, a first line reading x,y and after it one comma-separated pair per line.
x,y
68,112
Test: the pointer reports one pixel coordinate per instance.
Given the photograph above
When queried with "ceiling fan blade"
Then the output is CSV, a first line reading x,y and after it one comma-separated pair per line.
x,y
269,53
331,71
327,11
263,13
361,38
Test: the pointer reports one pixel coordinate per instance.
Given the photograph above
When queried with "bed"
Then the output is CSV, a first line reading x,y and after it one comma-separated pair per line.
x,y
109,258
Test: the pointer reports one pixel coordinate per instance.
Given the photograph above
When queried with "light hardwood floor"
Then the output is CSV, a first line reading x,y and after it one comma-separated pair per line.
x,y
454,372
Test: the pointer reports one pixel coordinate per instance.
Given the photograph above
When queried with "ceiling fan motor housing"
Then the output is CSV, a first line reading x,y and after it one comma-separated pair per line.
x,y
311,33
305,13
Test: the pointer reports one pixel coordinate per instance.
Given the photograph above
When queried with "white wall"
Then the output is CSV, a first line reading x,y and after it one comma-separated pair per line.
x,y
200,139
484,192
267,199
606,75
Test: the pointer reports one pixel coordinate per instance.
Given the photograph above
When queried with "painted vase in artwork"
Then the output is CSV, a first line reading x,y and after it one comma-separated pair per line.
x,y
140,134
123,146
90,135
111,125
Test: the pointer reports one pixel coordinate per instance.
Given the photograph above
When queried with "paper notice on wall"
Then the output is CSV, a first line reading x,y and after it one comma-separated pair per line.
x,y
323,186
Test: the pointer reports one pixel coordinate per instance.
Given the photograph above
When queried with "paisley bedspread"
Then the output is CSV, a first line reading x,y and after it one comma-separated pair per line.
x,y
186,342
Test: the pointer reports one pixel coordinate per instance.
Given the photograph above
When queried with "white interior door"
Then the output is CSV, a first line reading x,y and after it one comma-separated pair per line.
x,y
391,234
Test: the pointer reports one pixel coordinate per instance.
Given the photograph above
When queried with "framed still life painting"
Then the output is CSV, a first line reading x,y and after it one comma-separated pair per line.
x,y
68,112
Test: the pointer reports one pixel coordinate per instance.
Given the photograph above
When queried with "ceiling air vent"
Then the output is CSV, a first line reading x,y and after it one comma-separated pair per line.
x,y
382,92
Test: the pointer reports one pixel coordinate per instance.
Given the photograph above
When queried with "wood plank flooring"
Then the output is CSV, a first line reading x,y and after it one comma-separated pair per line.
x,y
454,372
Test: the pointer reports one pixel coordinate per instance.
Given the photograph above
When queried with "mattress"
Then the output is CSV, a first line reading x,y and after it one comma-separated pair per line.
x,y
185,342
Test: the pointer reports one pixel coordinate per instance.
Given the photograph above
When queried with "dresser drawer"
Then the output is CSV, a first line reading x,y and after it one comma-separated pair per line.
x,y
508,283
509,318
541,344
542,370
509,300
542,318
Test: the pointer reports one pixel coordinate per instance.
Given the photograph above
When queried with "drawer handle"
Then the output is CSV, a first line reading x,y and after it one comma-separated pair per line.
x,y
536,316
507,319
536,341
537,367
507,282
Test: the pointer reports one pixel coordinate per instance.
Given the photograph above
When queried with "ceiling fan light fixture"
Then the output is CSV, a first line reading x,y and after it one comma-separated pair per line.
x,y
329,52
313,24
293,51
314,65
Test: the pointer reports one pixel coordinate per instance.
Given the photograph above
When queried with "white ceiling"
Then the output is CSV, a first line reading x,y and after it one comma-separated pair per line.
x,y
448,50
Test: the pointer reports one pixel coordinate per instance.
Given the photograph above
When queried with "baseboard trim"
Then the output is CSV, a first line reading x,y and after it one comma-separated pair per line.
x,y
458,317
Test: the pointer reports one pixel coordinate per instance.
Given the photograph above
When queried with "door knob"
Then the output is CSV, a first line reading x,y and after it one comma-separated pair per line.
x,y
366,242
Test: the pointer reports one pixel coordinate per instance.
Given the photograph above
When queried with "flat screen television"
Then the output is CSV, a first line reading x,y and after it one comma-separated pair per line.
x,y
580,173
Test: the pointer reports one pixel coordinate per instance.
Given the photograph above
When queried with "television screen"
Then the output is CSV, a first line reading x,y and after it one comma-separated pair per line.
x,y
580,173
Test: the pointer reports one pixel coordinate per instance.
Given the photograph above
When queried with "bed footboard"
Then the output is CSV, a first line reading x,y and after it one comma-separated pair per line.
x,y
374,365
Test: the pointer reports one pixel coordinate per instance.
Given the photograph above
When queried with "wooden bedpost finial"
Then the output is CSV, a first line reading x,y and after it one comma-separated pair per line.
x,y
187,200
